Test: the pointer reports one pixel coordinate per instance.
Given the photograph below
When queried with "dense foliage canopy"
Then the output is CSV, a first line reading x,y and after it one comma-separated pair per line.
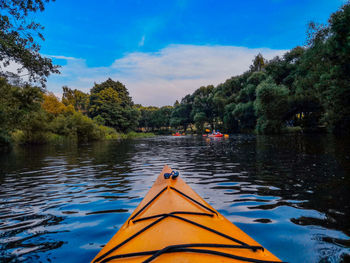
x,y
307,89
111,105
18,42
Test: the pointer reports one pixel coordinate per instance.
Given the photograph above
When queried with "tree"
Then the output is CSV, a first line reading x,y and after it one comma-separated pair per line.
x,y
271,106
230,122
78,99
16,103
203,105
146,116
200,118
326,68
52,105
111,104
285,70
181,114
18,41
258,63
245,114
20,108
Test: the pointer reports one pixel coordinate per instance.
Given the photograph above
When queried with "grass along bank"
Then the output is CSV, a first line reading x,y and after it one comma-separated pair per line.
x,y
20,137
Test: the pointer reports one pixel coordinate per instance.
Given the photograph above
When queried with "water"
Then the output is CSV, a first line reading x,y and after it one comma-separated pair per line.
x,y
290,193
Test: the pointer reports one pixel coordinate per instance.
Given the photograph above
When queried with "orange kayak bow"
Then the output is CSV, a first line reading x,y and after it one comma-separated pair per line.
x,y
174,224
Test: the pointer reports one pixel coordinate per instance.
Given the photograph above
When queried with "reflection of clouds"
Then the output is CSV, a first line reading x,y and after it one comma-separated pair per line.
x,y
159,78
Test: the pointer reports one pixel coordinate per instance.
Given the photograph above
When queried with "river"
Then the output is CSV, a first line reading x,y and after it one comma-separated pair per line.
x,y
290,193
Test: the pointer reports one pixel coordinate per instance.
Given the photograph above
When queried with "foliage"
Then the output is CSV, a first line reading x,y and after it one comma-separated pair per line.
x,y
53,106
199,119
181,114
258,63
308,88
245,114
230,122
146,116
29,116
134,135
76,98
34,129
111,104
325,68
271,105
154,118
18,34
203,109
16,103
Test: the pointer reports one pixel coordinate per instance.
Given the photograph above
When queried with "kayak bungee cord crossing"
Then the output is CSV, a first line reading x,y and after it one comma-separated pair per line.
x,y
166,239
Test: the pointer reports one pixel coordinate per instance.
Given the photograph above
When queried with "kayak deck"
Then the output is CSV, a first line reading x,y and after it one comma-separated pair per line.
x,y
174,224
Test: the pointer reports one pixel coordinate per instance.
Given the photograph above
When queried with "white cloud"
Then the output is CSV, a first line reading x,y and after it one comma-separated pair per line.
x,y
62,57
142,41
160,78
17,69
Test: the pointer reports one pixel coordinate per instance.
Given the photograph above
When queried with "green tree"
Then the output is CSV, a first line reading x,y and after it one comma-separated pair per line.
x,y
181,114
325,68
230,122
245,114
20,109
146,113
258,63
16,103
110,102
200,118
203,105
78,99
18,34
271,106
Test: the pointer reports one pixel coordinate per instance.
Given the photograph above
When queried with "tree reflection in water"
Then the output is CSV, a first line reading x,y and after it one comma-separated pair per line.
x,y
290,193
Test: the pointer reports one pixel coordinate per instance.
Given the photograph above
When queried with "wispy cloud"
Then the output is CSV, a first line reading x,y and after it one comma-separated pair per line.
x,y
159,78
61,57
142,41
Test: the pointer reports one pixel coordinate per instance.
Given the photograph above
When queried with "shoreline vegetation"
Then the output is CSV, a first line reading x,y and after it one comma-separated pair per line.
x,y
305,90
29,115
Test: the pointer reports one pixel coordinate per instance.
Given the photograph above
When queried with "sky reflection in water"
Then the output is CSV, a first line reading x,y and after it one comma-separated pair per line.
x,y
290,193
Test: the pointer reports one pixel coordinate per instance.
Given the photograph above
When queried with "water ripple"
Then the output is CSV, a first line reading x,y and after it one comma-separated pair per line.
x,y
289,193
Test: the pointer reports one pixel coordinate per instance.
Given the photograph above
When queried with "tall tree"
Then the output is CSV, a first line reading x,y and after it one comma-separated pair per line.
x,y
111,105
78,99
258,63
271,106
181,114
326,68
18,42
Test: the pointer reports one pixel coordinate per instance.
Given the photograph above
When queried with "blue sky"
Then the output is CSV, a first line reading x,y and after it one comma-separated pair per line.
x,y
163,50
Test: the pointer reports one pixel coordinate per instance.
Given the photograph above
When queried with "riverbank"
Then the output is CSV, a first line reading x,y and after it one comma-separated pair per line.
x,y
20,137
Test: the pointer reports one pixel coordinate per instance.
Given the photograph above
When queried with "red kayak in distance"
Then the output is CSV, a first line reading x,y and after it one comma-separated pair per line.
x,y
215,135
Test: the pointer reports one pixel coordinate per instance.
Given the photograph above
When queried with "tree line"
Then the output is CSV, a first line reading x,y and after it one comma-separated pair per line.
x,y
29,114
307,89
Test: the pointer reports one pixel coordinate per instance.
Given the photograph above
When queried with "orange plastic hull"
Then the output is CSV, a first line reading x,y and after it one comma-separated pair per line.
x,y
215,135
164,199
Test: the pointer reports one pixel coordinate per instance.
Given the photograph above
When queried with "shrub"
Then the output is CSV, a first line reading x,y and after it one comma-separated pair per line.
x,y
271,105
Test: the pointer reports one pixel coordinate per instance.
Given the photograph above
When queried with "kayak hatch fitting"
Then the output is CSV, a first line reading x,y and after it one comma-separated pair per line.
x,y
213,235
173,175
